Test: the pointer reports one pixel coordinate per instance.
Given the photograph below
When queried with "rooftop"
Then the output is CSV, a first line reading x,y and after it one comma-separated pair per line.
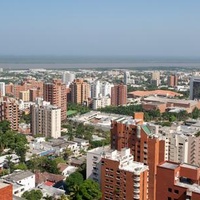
x,y
169,165
189,166
18,175
100,150
51,191
155,92
125,159
191,187
169,100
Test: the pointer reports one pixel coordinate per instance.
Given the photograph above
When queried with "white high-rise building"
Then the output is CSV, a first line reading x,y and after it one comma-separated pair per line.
x,y
184,143
155,78
68,77
106,89
2,88
126,78
101,89
101,102
96,89
46,120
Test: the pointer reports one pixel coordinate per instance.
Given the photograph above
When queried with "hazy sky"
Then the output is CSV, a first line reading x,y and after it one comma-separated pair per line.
x,y
100,27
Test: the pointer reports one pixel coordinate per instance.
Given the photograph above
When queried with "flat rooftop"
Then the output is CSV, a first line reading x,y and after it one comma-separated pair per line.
x,y
169,165
169,100
191,188
18,175
189,166
100,150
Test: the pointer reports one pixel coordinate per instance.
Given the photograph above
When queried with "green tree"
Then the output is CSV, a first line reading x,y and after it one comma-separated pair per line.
x,y
32,195
73,181
9,164
48,198
195,113
4,126
67,153
89,190
64,197
20,150
21,166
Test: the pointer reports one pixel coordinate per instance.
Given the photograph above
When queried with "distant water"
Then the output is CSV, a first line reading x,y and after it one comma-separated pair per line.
x,y
66,62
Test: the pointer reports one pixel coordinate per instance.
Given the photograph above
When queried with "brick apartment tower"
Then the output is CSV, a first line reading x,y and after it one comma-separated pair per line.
x,y
173,80
27,84
55,93
119,95
178,181
79,91
6,191
145,147
122,178
9,110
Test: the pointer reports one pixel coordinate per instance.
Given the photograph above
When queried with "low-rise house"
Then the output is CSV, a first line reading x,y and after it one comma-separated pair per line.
x,y
83,144
51,191
21,181
66,170
78,162
4,160
48,178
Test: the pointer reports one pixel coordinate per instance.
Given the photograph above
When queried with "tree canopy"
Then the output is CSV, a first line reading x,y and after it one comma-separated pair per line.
x,y
74,180
32,195
89,190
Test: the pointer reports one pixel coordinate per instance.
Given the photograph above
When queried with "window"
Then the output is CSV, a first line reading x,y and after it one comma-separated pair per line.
x,y
176,191
169,189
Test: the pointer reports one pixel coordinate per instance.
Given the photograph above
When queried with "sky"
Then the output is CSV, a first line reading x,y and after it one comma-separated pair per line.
x,y
100,28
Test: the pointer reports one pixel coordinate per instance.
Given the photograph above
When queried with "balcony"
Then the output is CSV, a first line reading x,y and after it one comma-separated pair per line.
x,y
136,196
136,178
137,185
137,191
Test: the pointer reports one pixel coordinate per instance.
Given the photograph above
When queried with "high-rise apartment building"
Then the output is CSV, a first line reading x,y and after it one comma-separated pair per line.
x,y
55,93
119,176
172,80
34,93
96,89
9,110
27,84
80,91
195,88
106,89
177,181
126,78
68,77
24,95
144,144
101,102
46,120
119,95
155,78
100,89
184,143
2,89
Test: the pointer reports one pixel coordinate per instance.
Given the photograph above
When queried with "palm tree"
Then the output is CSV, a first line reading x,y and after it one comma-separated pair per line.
x,y
64,197
9,163
74,192
67,152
